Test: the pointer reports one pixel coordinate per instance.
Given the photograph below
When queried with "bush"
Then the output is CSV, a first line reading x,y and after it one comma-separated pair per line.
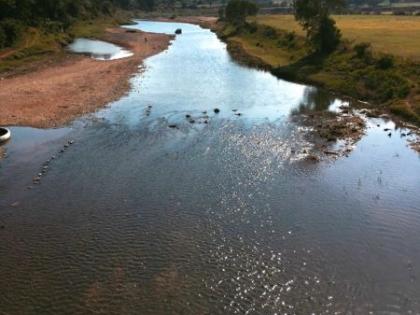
x,y
385,85
269,32
327,37
287,40
401,108
290,36
399,13
221,13
11,30
385,62
3,38
362,50
251,27
54,27
237,10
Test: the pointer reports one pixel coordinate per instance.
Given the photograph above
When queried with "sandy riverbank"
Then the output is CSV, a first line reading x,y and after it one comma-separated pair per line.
x,y
54,95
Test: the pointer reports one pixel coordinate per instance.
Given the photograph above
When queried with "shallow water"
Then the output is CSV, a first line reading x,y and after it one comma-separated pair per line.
x,y
218,218
98,49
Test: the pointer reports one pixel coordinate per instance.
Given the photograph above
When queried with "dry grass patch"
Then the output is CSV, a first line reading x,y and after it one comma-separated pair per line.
x,y
266,50
397,35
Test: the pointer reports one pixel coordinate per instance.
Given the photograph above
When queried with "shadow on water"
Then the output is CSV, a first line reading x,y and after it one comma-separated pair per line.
x,y
137,216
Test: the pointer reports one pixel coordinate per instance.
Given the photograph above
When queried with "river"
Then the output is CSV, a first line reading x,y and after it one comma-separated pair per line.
x,y
138,210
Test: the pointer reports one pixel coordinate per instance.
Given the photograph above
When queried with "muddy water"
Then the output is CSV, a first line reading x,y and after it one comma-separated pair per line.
x,y
223,217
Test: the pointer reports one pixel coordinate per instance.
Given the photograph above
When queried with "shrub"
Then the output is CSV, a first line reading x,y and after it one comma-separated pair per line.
x,y
327,37
269,32
362,50
221,13
401,108
290,36
287,40
251,27
54,27
3,38
385,62
399,13
385,85
237,10
11,30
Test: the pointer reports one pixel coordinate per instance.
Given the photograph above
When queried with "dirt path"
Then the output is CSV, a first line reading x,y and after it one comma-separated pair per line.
x,y
54,95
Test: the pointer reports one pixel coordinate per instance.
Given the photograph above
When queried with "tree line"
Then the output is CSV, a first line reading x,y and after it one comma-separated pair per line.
x,y
314,16
16,15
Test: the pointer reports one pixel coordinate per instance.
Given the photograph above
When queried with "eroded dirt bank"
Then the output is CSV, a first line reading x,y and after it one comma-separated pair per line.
x,y
54,95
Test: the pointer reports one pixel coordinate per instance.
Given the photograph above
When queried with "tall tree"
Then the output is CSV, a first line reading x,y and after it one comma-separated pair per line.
x,y
237,10
314,16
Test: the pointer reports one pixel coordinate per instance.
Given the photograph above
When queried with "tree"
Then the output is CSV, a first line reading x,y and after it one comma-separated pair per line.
x,y
321,30
56,15
221,13
237,10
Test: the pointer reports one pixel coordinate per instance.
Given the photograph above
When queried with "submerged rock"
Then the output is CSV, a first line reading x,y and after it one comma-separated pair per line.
x,y
331,133
216,110
312,158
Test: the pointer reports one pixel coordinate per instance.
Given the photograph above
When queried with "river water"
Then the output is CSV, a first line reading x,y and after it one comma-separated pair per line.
x,y
98,49
219,216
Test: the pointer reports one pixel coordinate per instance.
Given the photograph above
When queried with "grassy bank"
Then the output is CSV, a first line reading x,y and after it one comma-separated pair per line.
x,y
390,82
37,46
397,35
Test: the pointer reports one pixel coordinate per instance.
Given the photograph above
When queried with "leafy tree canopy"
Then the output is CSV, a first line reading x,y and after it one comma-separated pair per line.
x,y
314,16
16,14
237,11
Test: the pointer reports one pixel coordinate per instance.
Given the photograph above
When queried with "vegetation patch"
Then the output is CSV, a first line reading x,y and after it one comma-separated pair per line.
x,y
356,69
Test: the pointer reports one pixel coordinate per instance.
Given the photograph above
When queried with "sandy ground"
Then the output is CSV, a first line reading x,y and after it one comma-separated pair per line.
x,y
54,95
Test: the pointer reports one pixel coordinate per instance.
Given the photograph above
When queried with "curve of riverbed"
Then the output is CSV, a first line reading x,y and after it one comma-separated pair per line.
x,y
161,204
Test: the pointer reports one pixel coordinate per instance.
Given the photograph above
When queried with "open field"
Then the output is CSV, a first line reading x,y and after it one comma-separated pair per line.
x,y
397,35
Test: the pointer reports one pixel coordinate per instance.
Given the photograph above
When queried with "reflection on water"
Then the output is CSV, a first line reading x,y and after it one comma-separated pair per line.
x,y
99,50
209,218
314,99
